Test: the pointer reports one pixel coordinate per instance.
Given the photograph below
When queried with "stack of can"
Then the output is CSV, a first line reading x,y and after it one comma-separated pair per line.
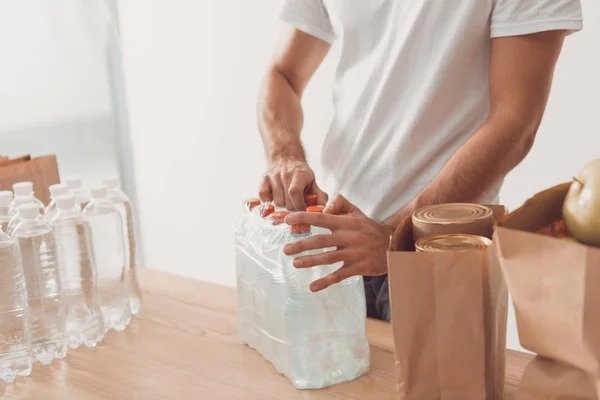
x,y
453,227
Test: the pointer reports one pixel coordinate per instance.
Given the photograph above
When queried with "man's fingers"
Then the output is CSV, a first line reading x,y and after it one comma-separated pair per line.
x,y
322,197
277,190
325,258
264,192
345,272
340,205
316,242
330,222
296,194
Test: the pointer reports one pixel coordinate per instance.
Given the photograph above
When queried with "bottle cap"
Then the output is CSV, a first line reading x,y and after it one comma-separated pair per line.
x,y
251,203
99,192
310,199
300,229
315,209
278,217
266,210
58,189
21,200
23,188
29,211
111,183
65,201
74,182
6,197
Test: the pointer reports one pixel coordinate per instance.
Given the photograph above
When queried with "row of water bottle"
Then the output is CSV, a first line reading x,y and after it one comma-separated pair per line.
x,y
67,271
315,339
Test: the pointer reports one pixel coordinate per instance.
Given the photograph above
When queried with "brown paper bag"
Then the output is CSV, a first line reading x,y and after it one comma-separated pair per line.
x,y
546,379
449,314
554,286
42,171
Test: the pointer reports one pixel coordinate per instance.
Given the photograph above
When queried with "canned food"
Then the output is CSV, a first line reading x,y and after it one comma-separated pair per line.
x,y
453,218
454,242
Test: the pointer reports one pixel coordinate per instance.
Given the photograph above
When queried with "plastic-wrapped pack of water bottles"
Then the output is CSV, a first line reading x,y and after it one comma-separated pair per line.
x,y
315,339
67,271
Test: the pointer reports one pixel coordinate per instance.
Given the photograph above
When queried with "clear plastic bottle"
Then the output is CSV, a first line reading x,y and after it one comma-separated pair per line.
x,y
15,346
55,190
26,189
123,203
42,278
16,218
75,185
84,322
107,229
6,198
326,331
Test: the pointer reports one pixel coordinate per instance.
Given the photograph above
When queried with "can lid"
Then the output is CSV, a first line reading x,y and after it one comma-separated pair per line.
x,y
111,182
251,203
453,218
58,189
455,242
315,209
310,199
6,197
266,210
29,211
451,213
65,201
300,229
23,188
99,192
74,182
278,217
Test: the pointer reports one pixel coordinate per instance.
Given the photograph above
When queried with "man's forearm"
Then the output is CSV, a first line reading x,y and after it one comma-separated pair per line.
x,y
493,151
280,119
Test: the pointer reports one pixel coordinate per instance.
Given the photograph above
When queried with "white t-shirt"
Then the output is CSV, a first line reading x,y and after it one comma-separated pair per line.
x,y
411,85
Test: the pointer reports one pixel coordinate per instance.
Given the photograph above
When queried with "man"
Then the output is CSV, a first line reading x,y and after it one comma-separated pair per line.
x,y
435,102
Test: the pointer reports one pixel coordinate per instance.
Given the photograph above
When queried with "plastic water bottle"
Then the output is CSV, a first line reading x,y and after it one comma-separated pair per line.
x,y
326,330
6,198
26,189
107,239
15,347
120,199
75,185
277,295
55,191
84,322
16,218
245,271
42,278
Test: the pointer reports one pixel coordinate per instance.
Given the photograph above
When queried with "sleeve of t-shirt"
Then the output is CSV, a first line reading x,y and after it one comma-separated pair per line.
x,y
522,17
309,16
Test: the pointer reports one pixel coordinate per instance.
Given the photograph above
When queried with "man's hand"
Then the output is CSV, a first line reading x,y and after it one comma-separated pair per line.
x,y
287,182
361,243
280,119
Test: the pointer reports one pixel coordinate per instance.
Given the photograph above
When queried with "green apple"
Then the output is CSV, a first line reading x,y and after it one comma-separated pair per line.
x,y
581,209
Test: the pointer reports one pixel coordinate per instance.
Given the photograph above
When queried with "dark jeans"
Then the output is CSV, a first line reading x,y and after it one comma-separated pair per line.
x,y
378,297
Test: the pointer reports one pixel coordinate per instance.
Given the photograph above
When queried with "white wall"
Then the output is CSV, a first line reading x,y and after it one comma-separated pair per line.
x,y
194,69
54,88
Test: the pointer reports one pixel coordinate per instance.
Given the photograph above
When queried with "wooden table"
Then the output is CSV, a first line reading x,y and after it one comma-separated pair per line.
x,y
185,346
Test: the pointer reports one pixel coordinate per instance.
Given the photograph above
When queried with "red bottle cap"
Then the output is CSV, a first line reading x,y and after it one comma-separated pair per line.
x,y
300,229
310,199
251,203
278,217
266,210
315,209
